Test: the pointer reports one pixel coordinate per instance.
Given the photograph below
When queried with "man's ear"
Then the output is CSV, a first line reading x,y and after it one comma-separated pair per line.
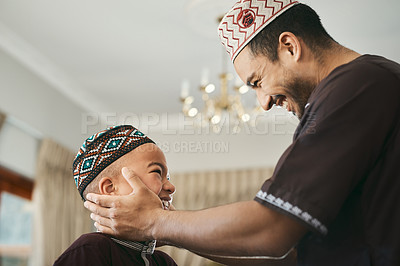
x,y
106,186
289,47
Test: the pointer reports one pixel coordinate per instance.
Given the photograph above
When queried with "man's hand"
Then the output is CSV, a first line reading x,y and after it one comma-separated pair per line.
x,y
131,216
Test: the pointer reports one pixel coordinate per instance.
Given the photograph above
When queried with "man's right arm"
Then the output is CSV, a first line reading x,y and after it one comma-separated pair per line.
x,y
239,229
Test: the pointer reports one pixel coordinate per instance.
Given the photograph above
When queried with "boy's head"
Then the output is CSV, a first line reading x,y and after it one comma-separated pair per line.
x,y
97,166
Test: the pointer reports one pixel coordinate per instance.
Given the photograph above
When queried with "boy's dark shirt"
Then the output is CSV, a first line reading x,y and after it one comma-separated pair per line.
x,y
98,249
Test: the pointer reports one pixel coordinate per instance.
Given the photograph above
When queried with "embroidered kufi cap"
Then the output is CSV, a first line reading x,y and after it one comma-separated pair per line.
x,y
102,149
246,19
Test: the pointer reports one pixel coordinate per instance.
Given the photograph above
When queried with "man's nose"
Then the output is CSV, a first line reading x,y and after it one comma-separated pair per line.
x,y
264,100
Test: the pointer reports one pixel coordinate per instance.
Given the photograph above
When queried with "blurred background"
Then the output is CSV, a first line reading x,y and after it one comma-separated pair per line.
x,y
71,68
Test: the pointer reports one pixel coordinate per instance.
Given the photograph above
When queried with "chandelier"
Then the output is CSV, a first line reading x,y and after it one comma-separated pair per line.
x,y
225,109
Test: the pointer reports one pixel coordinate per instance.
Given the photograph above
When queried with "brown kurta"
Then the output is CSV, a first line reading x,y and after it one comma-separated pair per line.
x,y
100,250
341,175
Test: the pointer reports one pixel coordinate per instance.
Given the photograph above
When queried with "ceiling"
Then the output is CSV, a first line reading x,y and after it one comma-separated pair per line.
x,y
132,56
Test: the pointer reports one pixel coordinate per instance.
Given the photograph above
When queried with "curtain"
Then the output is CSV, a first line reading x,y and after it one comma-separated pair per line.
x,y
201,190
59,215
2,119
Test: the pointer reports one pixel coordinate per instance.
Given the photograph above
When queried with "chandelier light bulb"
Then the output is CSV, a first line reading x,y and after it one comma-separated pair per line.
x,y
245,117
192,112
189,100
243,89
215,119
209,88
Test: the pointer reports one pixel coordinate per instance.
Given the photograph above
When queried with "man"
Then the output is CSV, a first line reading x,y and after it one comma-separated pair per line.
x,y
335,191
97,169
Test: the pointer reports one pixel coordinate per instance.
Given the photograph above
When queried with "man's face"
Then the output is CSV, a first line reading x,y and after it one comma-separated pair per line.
x,y
274,82
149,163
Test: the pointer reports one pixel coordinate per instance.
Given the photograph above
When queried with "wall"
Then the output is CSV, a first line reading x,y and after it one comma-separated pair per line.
x,y
37,105
196,149
30,99
18,150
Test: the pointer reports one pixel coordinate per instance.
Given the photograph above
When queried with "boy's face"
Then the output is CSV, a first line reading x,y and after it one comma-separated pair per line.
x,y
149,163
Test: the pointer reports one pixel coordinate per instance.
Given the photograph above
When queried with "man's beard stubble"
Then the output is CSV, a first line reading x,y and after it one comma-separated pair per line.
x,y
299,91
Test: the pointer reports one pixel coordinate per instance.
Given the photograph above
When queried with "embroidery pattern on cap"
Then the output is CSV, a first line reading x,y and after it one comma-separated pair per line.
x,y
246,19
103,148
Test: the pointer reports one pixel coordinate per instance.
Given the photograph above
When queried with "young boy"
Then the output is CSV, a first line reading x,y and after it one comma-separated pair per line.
x,y
97,168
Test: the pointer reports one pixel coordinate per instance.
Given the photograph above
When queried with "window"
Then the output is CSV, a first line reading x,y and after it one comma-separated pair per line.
x,y
18,151
15,218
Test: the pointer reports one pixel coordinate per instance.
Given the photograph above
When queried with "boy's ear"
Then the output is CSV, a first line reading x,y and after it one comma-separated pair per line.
x,y
106,186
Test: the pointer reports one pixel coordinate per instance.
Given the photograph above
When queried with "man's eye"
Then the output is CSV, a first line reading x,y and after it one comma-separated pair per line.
x,y
253,85
256,84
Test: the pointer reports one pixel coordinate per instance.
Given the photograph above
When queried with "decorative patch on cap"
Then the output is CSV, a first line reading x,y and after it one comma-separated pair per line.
x,y
246,19
102,149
